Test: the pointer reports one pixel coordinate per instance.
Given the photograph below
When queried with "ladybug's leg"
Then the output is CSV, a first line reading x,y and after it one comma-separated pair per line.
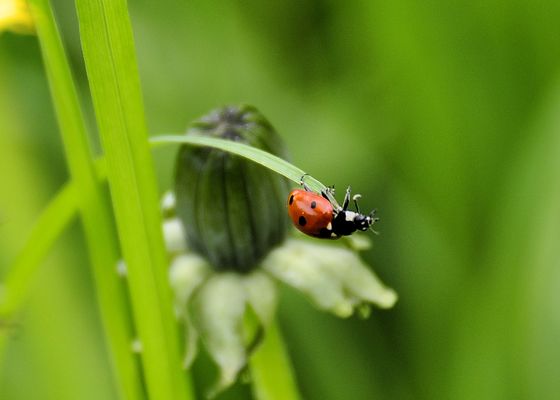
x,y
355,200
328,193
346,199
302,183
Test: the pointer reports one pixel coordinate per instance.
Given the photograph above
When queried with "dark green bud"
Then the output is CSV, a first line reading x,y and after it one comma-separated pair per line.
x,y
232,209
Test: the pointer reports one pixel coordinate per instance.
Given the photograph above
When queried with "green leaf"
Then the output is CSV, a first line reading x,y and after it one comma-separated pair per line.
x,y
110,59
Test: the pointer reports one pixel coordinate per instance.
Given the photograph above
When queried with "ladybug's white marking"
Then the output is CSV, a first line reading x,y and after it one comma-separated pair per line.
x,y
349,215
329,227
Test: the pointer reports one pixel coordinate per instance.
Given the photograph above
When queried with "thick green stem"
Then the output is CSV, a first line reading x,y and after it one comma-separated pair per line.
x,y
271,369
109,54
96,215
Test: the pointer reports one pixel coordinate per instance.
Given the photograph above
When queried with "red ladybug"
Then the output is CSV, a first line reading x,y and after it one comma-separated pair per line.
x,y
320,216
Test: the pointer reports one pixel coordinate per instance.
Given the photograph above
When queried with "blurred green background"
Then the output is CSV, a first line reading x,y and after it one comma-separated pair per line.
x,y
444,115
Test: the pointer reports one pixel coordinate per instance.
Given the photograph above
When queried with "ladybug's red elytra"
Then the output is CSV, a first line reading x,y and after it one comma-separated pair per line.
x,y
316,215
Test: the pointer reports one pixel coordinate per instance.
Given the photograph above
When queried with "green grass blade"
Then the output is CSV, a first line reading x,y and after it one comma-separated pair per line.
x,y
259,156
20,278
272,377
109,54
96,214
51,223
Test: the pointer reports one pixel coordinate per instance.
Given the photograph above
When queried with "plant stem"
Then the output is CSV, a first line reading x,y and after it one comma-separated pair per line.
x,y
96,215
109,54
271,370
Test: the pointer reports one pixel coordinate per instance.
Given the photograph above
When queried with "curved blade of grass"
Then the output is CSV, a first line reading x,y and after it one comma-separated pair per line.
x,y
51,223
49,226
108,47
95,212
259,156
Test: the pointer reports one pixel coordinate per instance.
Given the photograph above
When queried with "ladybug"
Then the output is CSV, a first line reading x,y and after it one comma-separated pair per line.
x,y
320,216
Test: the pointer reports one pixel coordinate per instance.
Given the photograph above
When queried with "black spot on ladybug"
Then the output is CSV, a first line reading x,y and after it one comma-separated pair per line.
x,y
291,199
302,221
313,204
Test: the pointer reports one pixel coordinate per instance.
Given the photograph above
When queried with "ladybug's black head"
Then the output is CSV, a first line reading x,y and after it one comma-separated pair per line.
x,y
364,222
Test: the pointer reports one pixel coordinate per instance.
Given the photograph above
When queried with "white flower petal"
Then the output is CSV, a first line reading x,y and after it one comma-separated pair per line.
x,y
262,295
360,282
186,274
168,202
333,277
217,312
191,343
358,242
174,235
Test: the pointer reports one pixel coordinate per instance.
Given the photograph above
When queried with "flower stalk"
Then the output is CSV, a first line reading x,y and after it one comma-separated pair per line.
x,y
271,369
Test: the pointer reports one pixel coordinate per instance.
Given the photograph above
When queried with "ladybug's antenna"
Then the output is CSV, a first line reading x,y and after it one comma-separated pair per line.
x,y
374,219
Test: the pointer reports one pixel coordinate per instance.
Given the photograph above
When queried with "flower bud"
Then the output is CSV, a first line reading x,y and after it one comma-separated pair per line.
x,y
232,208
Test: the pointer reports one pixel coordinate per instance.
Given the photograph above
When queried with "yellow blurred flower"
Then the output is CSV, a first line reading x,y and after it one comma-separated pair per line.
x,y
16,17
